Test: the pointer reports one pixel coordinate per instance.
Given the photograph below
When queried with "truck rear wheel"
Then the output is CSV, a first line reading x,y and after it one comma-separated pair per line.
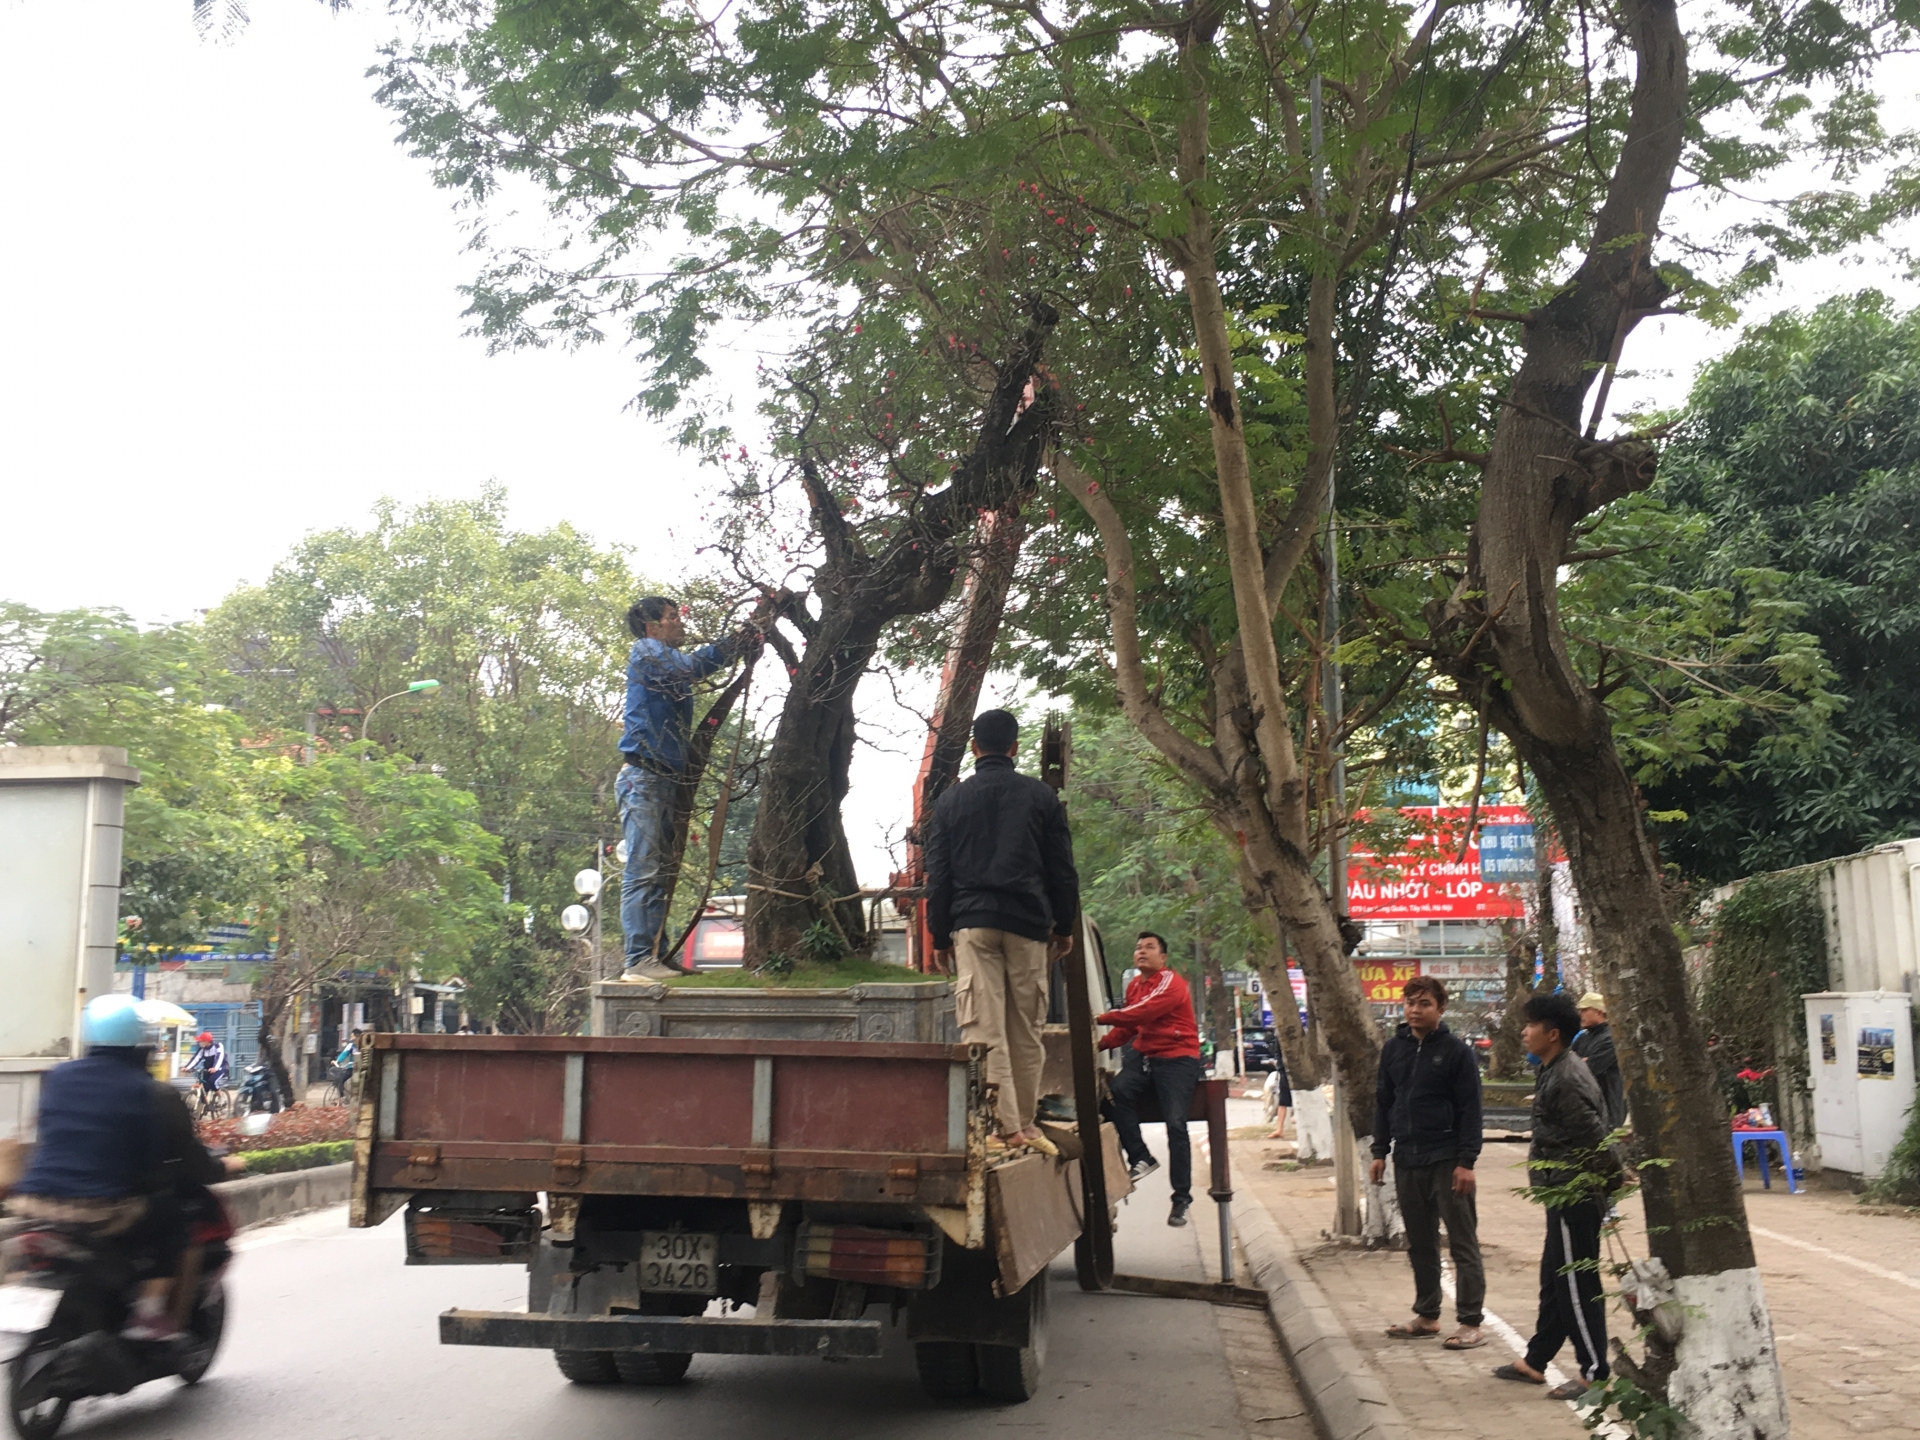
x,y
586,1367
948,1369
1011,1373
641,1367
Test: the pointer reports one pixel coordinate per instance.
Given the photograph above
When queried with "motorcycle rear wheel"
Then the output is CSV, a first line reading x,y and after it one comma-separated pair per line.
x,y
34,1416
204,1330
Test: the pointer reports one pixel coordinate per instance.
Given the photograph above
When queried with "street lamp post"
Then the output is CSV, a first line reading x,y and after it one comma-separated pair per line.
x,y
415,688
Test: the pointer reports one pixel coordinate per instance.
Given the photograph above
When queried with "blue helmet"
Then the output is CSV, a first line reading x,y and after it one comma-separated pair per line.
x,y
115,1020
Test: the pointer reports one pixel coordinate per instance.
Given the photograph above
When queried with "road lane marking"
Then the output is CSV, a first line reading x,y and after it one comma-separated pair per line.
x,y
1867,1265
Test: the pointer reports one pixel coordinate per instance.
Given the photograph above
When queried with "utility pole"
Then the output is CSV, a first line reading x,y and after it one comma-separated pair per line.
x,y
1346,1149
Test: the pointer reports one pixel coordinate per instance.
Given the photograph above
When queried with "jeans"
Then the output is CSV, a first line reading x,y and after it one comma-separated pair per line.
x,y
1426,1199
1173,1081
1571,1304
646,822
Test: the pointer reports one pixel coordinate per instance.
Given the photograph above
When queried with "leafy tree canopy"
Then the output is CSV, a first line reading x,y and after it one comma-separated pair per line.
x,y
1799,465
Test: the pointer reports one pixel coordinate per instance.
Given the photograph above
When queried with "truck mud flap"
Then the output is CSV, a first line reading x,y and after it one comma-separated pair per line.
x,y
668,1334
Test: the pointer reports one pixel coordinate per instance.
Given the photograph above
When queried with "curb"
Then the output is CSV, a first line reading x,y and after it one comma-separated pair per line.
x,y
254,1199
1347,1399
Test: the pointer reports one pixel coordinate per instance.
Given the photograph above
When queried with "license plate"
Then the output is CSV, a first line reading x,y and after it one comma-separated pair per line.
x,y
679,1261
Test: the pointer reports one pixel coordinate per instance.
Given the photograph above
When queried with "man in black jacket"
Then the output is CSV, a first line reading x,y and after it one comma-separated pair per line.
x,y
1002,899
1594,1044
1569,1126
1427,1109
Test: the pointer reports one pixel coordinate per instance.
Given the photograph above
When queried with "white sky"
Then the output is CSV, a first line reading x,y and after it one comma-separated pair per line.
x,y
231,318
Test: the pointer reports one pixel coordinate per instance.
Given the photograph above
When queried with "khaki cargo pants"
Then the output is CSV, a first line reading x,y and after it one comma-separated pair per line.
x,y
1000,999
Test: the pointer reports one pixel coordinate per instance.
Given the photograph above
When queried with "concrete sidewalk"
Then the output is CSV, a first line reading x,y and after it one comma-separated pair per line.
x,y
1841,1282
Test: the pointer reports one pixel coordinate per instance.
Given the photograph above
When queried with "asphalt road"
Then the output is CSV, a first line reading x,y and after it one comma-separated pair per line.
x,y
330,1336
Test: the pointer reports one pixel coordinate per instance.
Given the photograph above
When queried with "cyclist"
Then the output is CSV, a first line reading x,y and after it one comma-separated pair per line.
x,y
115,1147
209,1061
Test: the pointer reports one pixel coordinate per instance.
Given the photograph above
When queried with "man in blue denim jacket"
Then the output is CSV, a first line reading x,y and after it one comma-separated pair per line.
x,y
660,678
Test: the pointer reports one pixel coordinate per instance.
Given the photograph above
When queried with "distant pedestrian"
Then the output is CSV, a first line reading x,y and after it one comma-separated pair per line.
x,y
1277,1093
1161,1054
1594,1044
1002,901
658,731
1426,1109
1569,1128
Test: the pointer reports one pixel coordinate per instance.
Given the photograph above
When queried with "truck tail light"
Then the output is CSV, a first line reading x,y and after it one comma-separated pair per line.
x,y
905,1259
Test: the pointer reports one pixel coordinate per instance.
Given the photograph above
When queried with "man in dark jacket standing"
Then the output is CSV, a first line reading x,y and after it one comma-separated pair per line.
x,y
1594,1044
1569,1124
1002,900
1427,1110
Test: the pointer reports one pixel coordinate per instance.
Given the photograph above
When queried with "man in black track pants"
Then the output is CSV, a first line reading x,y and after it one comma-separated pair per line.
x,y
1569,1126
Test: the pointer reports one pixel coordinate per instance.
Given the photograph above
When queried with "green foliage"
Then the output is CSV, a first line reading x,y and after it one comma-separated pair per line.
x,y
823,945
197,847
1768,947
1799,466
805,975
1618,1398
298,1157
526,634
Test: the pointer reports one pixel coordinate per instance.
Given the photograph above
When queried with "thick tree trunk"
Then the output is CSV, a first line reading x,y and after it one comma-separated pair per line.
x,y
1542,478
1296,1047
799,866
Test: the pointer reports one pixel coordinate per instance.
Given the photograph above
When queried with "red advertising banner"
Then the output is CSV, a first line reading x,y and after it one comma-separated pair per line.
x,y
1383,980
1425,881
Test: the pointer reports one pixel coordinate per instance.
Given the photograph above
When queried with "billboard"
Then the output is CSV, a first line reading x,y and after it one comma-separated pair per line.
x,y
1430,879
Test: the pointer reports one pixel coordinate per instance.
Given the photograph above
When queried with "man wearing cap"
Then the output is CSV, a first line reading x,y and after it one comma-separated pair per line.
x,y
1594,1044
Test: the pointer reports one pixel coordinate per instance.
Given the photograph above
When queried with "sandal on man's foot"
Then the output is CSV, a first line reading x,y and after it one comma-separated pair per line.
x,y
1411,1332
1570,1390
1467,1337
1514,1372
1037,1139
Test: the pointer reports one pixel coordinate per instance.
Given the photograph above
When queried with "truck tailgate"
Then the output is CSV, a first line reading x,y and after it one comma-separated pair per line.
x,y
753,1119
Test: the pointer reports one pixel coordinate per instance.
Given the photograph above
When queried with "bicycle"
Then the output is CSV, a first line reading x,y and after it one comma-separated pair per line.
x,y
211,1104
339,1085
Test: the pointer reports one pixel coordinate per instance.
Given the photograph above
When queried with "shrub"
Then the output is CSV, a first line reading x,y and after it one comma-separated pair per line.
x,y
298,1157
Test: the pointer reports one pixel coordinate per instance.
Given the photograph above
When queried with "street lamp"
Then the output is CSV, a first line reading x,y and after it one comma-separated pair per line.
x,y
415,688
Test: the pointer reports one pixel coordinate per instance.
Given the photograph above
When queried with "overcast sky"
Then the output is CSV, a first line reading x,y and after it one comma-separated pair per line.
x,y
231,317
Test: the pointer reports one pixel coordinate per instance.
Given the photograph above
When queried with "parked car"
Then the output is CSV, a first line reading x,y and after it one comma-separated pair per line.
x,y
1259,1047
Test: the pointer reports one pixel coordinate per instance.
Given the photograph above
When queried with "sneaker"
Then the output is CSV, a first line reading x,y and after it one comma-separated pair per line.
x,y
647,972
1140,1169
150,1323
1178,1215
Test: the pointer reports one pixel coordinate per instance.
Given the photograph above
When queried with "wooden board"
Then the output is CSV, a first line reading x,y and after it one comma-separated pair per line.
x,y
1033,1213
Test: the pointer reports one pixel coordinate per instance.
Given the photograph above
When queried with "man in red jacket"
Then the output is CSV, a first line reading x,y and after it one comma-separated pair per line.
x,y
1162,1054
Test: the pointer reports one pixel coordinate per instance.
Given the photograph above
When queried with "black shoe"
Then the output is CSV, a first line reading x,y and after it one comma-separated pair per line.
x,y
1140,1169
1178,1215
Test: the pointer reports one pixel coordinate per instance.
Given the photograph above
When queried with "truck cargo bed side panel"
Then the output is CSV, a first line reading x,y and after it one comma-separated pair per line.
x,y
666,1099
889,1104
504,1097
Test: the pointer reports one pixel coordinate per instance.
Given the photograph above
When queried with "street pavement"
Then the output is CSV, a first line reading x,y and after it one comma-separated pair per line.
x,y
332,1337
1842,1282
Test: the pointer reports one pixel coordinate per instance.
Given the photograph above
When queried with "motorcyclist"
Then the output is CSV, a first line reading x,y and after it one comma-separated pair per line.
x,y
209,1062
115,1149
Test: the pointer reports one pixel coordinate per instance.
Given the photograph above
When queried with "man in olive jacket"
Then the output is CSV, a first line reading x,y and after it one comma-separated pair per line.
x,y
1426,1108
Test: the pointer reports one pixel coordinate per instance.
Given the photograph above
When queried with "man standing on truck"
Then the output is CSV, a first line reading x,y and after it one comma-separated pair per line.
x,y
1156,1026
1002,900
660,679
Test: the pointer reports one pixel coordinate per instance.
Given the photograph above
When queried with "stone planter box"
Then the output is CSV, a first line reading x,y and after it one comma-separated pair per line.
x,y
871,1012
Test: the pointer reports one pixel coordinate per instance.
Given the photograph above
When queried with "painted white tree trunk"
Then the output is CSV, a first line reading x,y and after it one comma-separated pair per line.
x,y
1383,1223
1726,1374
1313,1123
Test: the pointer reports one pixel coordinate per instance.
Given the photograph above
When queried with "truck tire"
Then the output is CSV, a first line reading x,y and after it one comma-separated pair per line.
x,y
948,1369
1011,1373
586,1367
642,1367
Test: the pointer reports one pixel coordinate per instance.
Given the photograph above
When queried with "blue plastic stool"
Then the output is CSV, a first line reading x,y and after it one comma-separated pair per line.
x,y
1762,1138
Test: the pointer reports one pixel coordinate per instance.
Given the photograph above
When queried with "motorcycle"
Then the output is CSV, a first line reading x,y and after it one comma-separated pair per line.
x,y
79,1352
258,1092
